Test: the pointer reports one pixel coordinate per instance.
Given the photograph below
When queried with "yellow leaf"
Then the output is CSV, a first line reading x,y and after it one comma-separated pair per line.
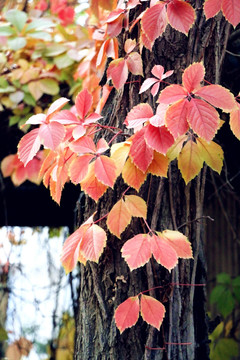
x,y
211,153
190,161
136,206
118,218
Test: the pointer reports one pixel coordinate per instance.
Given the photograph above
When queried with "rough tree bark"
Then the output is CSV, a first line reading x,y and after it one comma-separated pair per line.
x,y
171,205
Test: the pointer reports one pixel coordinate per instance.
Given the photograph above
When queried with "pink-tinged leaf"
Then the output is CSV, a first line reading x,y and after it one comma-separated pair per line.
x,y
159,119
138,115
112,48
91,185
181,15
105,170
152,311
102,146
176,118
36,119
118,218
115,27
93,243
217,96
154,21
231,11
56,106
190,161
155,88
134,63
65,117
78,132
192,77
83,145
145,41
179,242
9,164
92,118
136,206
235,121
83,103
129,45
51,135
127,313
140,153
29,146
158,71
159,165
132,175
203,119
79,168
48,162
212,7
175,149
159,138
172,93
147,84
137,251
164,253
106,89
118,72
70,251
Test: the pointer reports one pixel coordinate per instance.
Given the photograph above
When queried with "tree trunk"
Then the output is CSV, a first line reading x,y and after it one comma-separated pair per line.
x,y
171,205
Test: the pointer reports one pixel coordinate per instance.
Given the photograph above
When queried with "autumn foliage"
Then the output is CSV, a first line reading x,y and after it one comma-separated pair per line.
x,y
183,127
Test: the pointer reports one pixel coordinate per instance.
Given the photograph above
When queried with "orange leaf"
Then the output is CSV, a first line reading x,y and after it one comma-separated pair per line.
x,y
93,243
159,165
179,242
132,175
136,206
91,185
137,251
140,153
118,218
176,118
163,253
127,313
79,168
152,311
118,72
190,161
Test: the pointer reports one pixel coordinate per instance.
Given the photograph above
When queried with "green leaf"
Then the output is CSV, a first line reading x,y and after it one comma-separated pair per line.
x,y
7,31
7,89
236,288
63,61
13,120
223,278
3,59
226,303
16,18
17,43
39,24
3,82
3,334
40,35
55,49
49,86
29,99
225,349
216,293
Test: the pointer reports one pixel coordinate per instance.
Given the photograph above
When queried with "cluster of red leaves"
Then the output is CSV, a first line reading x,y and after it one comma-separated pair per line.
x,y
60,8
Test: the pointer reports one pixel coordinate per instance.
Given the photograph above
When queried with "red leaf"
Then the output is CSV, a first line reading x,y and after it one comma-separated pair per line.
x,y
203,119
159,138
137,251
172,93
231,11
212,7
154,21
51,135
118,72
134,63
127,313
29,146
102,146
235,121
70,251
105,170
181,15
192,76
118,218
217,96
138,115
140,153
93,243
179,242
91,185
164,253
83,145
79,168
83,103
152,311
176,118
